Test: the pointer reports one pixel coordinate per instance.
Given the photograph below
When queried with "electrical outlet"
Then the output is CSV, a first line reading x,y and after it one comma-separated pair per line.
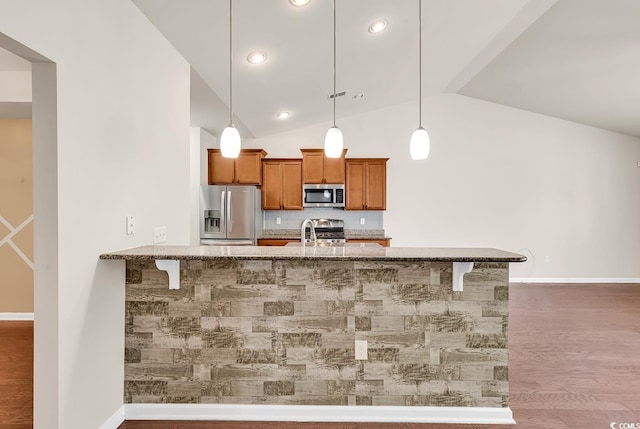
x,y
131,225
278,221
159,234
361,350
547,259
361,221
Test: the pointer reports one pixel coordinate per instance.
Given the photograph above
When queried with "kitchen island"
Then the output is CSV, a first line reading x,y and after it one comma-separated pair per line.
x,y
317,333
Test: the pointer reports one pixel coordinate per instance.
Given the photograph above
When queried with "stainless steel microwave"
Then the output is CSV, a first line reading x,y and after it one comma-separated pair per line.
x,y
322,195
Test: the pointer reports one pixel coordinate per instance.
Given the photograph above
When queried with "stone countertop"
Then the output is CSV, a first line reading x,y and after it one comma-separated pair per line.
x,y
348,253
354,234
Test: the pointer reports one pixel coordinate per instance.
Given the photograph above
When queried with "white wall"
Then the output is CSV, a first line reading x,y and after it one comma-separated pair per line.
x,y
15,86
200,141
501,177
122,148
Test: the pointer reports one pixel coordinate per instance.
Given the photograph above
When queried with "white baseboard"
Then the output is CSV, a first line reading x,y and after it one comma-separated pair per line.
x,y
115,420
573,280
16,316
319,413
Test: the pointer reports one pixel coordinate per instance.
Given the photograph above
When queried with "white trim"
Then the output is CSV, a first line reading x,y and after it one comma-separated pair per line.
x,y
574,280
115,420
13,231
319,413
16,316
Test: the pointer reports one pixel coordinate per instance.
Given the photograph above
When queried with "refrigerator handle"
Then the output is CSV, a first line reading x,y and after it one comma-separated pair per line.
x,y
222,212
229,214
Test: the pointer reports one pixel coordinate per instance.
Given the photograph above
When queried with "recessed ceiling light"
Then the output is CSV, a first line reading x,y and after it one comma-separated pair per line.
x,y
299,2
283,115
257,57
378,26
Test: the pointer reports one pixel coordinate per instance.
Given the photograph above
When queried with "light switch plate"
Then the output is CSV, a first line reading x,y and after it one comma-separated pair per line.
x,y
131,225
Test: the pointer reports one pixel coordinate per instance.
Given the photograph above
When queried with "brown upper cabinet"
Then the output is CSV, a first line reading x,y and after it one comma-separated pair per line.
x,y
282,184
366,184
317,168
246,169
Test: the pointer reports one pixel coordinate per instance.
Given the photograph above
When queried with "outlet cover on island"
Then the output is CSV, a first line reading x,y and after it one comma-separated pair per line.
x,y
159,234
278,221
361,350
361,221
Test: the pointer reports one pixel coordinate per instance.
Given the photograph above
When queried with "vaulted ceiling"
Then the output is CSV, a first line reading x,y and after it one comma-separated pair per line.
x,y
572,59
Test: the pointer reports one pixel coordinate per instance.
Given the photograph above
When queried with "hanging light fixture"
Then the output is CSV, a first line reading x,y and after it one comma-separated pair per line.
x,y
333,141
230,137
420,145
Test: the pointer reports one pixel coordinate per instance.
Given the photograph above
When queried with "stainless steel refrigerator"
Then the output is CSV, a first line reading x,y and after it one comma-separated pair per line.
x,y
230,215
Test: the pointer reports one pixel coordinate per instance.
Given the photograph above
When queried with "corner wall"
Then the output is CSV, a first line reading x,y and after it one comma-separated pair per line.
x,y
566,195
122,148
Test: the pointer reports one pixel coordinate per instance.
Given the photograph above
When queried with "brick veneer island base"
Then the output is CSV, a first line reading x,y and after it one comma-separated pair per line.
x,y
261,333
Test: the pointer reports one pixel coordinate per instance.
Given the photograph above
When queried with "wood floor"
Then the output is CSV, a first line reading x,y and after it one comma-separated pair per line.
x,y
574,363
16,375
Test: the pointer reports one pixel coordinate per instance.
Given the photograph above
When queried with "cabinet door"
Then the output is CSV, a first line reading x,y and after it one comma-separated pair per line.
x,y
355,185
271,185
275,241
249,168
376,185
221,169
312,165
383,243
334,169
292,185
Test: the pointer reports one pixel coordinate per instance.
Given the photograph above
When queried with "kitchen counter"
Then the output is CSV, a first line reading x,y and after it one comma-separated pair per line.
x,y
308,333
347,253
354,234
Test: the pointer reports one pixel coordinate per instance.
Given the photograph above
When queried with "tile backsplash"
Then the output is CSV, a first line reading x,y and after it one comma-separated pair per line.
x,y
291,219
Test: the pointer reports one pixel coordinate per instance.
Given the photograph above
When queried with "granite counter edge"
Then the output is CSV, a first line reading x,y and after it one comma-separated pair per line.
x,y
108,256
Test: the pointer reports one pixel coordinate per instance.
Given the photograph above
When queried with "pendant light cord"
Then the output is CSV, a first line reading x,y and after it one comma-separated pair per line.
x,y
230,64
420,60
334,63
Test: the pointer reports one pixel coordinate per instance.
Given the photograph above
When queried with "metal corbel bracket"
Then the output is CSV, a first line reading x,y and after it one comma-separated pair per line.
x,y
172,267
459,270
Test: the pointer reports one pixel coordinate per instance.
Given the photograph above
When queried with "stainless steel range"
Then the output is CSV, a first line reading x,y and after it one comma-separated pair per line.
x,y
327,231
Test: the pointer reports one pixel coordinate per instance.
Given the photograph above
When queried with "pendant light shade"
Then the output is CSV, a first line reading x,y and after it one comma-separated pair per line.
x,y
333,141
230,137
420,144
230,142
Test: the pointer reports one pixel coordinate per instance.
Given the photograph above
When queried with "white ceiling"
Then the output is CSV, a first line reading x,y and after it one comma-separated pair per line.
x,y
298,74
580,62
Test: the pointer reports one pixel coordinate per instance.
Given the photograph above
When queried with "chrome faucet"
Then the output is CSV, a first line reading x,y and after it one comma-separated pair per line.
x,y
303,235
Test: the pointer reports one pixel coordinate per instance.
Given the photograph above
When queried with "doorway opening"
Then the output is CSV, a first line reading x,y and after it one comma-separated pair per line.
x,y
44,221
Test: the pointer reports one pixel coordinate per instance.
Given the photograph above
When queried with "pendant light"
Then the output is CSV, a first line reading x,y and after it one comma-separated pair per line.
x,y
333,141
420,145
230,137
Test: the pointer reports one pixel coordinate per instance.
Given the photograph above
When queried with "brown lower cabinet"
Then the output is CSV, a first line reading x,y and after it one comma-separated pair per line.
x,y
383,243
275,241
